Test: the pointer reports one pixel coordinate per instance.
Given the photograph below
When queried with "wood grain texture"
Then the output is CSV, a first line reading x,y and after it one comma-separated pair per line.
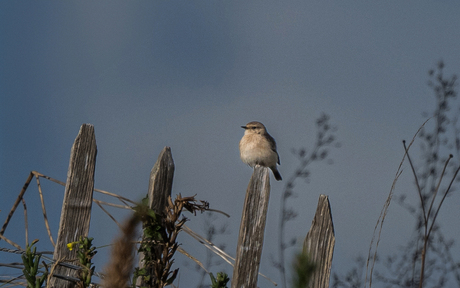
x,y
161,180
160,186
252,228
319,243
76,207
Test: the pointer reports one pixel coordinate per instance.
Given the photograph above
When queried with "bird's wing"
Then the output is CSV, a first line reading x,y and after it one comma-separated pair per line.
x,y
273,146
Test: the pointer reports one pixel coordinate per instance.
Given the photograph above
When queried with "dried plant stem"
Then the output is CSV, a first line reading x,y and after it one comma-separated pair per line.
x,y
26,223
444,197
384,211
44,210
121,263
107,212
419,190
15,205
427,225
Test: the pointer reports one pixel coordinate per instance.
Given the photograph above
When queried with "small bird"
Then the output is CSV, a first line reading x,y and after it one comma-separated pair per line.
x,y
257,147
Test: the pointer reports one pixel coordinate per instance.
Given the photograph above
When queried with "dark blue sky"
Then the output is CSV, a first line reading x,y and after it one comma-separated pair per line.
x,y
188,74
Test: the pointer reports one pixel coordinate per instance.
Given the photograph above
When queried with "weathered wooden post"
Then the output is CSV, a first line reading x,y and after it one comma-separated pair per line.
x,y
76,207
252,230
160,186
161,179
319,243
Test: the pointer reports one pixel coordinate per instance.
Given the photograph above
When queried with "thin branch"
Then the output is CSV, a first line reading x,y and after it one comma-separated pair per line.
x,y
95,190
219,252
385,210
419,190
437,187
107,212
16,203
181,250
26,223
47,177
116,196
44,210
442,200
11,242
113,205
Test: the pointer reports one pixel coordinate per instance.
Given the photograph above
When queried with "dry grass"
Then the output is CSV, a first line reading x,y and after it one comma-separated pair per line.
x,y
371,257
118,271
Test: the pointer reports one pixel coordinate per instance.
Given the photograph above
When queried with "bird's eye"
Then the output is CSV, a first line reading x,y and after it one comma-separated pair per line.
x,y
253,128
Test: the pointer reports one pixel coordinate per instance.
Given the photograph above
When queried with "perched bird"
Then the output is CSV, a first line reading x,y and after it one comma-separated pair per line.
x,y
257,147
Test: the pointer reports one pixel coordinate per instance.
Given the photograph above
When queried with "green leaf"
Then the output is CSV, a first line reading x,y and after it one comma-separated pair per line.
x,y
221,281
303,270
173,277
213,280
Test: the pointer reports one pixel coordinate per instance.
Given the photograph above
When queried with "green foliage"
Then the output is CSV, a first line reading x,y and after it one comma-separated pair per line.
x,y
31,261
303,270
138,272
221,281
85,254
151,227
159,240
150,223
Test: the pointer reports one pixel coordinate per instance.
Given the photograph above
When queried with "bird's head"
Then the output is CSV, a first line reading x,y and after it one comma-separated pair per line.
x,y
254,128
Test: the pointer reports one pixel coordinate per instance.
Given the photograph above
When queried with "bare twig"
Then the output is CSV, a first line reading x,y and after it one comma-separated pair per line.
x,y
181,250
44,209
324,139
419,190
16,203
443,198
11,242
385,210
437,188
26,223
107,212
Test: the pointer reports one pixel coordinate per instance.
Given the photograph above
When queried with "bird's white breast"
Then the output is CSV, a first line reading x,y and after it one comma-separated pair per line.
x,y
255,149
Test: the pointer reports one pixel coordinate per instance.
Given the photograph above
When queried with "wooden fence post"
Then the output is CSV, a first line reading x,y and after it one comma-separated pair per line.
x,y
76,207
160,186
319,243
161,179
252,229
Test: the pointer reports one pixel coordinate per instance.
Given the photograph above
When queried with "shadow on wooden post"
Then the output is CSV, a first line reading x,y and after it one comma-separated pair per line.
x,y
252,229
78,198
160,186
319,243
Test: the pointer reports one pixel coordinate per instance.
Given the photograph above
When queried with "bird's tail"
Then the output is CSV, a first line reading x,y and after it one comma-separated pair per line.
x,y
276,174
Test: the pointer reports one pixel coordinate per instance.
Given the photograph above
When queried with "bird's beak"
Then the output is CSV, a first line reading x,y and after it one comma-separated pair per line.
x,y
244,127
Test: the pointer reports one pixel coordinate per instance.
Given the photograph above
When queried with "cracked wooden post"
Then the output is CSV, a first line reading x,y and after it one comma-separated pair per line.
x,y
319,243
252,230
76,207
160,186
